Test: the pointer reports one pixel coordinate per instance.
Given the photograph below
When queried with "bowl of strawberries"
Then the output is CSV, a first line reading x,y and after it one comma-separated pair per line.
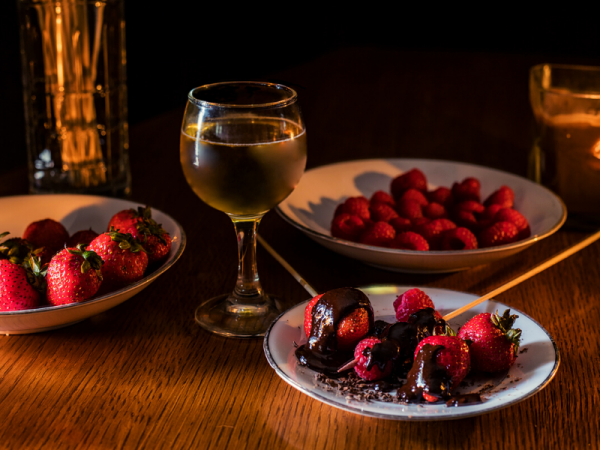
x,y
421,216
65,258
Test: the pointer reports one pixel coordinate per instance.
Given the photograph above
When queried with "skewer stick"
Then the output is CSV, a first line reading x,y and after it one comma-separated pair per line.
x,y
287,267
539,268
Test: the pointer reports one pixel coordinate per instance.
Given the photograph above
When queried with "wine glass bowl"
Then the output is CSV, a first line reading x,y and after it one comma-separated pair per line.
x,y
243,151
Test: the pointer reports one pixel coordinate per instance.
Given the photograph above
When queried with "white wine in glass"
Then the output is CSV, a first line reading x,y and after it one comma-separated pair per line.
x,y
243,150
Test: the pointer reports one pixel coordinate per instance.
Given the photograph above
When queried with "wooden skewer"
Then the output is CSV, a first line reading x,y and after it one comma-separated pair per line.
x,y
285,264
537,269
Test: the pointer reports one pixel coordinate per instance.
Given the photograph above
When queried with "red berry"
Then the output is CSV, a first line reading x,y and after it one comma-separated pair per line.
x,y
454,357
357,206
346,226
380,234
375,373
401,224
16,293
441,195
494,344
308,314
458,239
415,195
414,179
409,240
410,302
409,209
471,206
504,197
435,211
515,217
432,231
468,189
499,233
382,197
81,237
46,233
382,212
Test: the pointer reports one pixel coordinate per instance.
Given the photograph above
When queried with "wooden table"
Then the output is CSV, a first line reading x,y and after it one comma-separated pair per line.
x,y
144,375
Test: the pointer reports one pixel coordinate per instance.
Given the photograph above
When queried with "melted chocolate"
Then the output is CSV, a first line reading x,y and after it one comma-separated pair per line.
x,y
464,399
320,353
426,376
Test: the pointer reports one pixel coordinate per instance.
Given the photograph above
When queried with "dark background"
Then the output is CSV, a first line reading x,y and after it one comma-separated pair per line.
x,y
175,47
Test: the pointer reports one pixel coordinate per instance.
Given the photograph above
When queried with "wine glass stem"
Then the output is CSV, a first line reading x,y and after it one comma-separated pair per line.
x,y
247,287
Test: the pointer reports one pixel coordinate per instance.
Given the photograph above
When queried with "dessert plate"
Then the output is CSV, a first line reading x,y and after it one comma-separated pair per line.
x,y
311,205
535,367
76,212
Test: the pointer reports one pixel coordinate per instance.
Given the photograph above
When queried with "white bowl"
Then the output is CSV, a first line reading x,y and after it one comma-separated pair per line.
x,y
75,212
311,205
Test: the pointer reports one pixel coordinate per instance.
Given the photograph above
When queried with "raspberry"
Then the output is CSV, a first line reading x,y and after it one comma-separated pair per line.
x,y
498,234
435,211
400,224
468,189
346,226
464,218
382,197
375,373
471,206
410,302
419,221
486,218
432,231
409,209
441,195
415,195
458,239
358,206
504,197
382,212
515,217
380,234
409,240
412,179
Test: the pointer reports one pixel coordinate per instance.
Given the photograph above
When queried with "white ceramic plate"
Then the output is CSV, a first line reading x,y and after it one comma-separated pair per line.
x,y
75,212
534,369
311,205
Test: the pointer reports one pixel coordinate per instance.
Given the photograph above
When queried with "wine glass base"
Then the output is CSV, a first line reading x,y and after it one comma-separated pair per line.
x,y
218,315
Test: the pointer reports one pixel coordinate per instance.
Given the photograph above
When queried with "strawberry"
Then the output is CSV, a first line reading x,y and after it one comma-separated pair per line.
x,y
16,250
454,357
16,292
375,372
499,233
81,237
47,233
74,275
350,329
382,212
346,226
380,234
410,302
153,237
494,343
125,260
382,197
504,197
458,239
409,240
414,179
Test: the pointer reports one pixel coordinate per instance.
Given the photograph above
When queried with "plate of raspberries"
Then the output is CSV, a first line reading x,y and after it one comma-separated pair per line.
x,y
65,258
421,216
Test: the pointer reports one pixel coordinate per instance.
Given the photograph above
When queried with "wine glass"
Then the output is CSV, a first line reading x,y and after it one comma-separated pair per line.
x,y
243,150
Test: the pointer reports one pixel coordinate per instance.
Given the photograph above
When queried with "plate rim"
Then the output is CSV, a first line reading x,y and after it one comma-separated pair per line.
x,y
488,250
131,287
362,412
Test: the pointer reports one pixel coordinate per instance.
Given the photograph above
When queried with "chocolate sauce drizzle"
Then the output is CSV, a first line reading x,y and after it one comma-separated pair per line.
x,y
320,353
426,376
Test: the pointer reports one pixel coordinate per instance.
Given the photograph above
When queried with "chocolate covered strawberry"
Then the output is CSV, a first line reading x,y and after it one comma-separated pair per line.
x,y
454,356
74,275
125,260
494,343
362,369
140,224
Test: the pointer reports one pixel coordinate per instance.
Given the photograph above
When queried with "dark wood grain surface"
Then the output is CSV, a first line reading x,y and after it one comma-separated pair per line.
x,y
144,375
